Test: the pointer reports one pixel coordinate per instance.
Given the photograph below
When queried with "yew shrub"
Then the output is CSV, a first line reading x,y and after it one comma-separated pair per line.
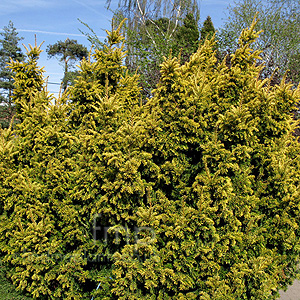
x,y
193,195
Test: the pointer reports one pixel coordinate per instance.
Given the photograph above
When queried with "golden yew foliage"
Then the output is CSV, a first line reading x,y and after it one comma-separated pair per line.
x,y
224,207
199,187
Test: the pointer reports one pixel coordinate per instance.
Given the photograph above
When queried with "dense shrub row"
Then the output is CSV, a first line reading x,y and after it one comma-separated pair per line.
x,y
194,195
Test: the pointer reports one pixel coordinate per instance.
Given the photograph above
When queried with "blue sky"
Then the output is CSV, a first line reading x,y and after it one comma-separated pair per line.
x,y
54,20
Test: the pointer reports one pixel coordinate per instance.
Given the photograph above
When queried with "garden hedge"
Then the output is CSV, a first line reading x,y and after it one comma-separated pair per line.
x,y
193,195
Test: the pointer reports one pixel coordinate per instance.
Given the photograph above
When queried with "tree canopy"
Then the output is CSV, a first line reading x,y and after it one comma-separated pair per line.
x,y
9,50
207,30
68,51
153,29
280,36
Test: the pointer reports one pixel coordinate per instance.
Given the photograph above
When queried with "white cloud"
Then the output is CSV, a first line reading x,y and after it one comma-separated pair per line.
x,y
48,32
53,32
13,6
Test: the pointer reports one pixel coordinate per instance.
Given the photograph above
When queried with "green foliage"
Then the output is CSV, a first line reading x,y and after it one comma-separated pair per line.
x,y
207,30
198,189
279,40
4,115
28,81
187,38
149,44
9,50
7,290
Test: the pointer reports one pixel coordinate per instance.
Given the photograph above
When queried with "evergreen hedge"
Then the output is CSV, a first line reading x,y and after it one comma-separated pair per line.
x,y
194,195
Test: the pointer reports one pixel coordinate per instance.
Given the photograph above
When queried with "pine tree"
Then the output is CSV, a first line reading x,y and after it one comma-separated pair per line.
x,y
68,51
9,50
187,38
207,30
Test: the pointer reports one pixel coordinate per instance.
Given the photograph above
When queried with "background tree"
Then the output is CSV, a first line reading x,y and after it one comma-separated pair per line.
x,y
69,51
187,38
9,50
207,30
138,12
280,39
152,30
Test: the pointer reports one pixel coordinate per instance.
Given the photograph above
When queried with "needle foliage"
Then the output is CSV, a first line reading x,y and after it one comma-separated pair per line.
x,y
194,195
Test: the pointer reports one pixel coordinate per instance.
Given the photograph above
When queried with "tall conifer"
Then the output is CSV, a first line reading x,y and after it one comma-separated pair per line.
x,y
9,49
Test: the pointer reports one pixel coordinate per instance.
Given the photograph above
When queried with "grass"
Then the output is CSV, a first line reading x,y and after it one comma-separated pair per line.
x,y
7,290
